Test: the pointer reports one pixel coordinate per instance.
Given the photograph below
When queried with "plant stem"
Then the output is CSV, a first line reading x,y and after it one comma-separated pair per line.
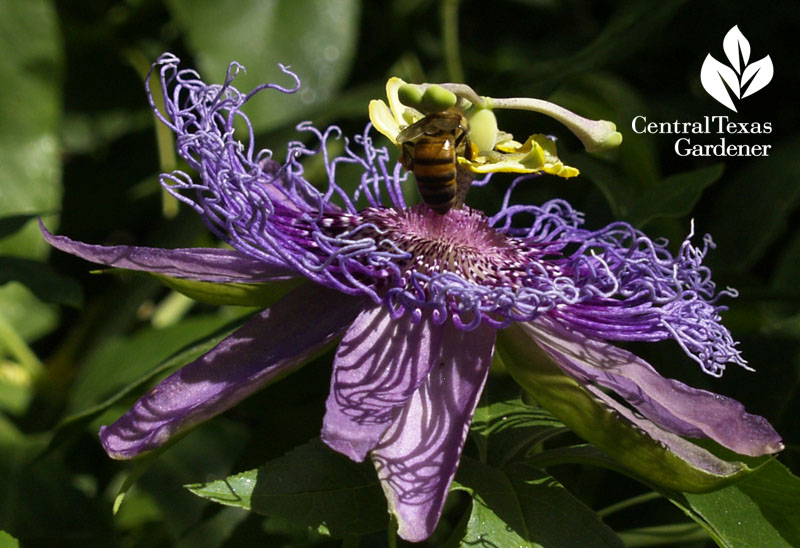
x,y
646,497
19,349
452,55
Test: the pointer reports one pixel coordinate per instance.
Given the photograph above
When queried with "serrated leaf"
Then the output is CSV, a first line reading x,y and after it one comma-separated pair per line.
x,y
520,506
758,74
317,39
714,76
311,485
736,46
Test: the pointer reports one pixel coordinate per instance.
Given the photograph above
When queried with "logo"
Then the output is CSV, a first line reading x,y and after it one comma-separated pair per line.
x,y
740,79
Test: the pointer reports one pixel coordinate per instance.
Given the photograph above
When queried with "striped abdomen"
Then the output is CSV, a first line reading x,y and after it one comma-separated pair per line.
x,y
435,171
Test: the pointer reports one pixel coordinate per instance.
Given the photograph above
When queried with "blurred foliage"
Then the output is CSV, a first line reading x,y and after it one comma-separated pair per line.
x,y
78,148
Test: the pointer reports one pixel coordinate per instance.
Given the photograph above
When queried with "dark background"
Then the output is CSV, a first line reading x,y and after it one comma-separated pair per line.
x,y
79,147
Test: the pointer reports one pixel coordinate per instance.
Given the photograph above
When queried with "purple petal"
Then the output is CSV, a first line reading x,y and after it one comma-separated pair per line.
x,y
271,344
418,456
379,364
668,403
206,264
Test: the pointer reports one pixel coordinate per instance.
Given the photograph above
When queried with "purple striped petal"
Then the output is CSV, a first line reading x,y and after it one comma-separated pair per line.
x,y
273,343
418,456
379,364
668,403
205,264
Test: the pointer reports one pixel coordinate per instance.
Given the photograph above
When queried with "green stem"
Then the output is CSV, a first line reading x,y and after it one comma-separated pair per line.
x,y
633,501
452,55
164,139
19,349
663,535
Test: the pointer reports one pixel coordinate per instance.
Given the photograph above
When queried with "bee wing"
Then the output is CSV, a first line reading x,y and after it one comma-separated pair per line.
x,y
413,131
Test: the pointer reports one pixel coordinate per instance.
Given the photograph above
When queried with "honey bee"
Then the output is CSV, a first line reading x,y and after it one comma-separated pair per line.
x,y
430,147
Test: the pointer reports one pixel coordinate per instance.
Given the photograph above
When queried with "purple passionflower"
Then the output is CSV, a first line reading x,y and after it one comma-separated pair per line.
x,y
416,298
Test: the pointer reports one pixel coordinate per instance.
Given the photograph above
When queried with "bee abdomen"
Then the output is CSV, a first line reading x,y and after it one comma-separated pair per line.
x,y
435,171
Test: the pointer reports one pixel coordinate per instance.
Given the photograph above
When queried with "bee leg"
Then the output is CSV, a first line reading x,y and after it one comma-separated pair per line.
x,y
464,178
407,159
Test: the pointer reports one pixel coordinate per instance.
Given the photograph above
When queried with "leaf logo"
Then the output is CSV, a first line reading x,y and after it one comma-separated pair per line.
x,y
743,79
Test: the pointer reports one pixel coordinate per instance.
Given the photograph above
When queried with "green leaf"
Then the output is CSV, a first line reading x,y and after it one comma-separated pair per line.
x,y
744,231
674,196
12,223
644,457
506,429
761,510
47,284
140,370
311,485
317,39
520,506
30,165
122,361
639,203
7,541
233,294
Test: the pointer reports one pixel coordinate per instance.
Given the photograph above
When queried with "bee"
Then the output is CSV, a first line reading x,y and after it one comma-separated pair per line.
x,y
430,148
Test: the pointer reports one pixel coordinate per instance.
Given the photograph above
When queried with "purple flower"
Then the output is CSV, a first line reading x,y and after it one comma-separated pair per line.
x,y
417,299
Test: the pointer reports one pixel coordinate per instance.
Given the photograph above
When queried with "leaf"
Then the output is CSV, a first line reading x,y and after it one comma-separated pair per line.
x,y
735,46
761,510
311,485
84,413
12,223
520,506
233,294
696,470
317,39
714,75
744,230
505,429
675,195
30,165
120,361
7,541
761,72
47,284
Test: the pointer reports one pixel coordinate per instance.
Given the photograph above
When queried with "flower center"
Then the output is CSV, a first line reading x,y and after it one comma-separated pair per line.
x,y
460,242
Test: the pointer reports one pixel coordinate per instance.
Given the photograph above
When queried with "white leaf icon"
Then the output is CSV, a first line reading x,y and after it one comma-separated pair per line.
x,y
735,43
714,75
761,73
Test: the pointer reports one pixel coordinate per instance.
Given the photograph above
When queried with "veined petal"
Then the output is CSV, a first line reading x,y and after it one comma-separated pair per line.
x,y
206,264
418,456
272,344
668,403
379,364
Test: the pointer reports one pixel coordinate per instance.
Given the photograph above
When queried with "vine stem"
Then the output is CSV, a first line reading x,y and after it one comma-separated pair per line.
x,y
452,55
633,501
19,349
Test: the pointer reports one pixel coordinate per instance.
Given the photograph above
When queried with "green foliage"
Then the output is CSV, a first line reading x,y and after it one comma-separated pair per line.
x,y
77,147
311,485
